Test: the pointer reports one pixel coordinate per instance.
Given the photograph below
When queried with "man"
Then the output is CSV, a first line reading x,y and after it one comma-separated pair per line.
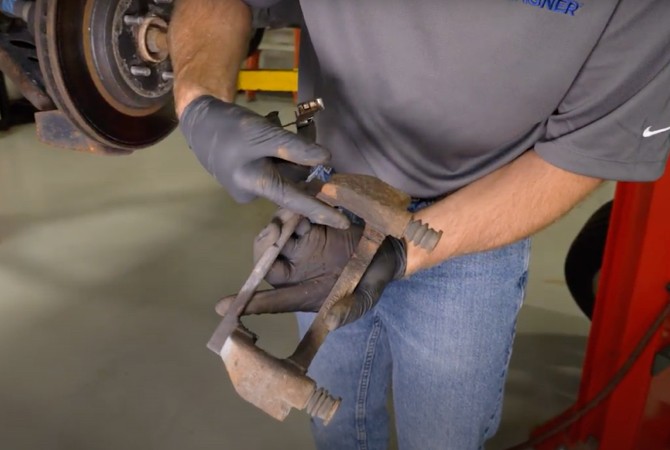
x,y
497,115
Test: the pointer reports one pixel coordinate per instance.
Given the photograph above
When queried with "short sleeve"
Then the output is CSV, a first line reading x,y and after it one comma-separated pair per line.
x,y
614,122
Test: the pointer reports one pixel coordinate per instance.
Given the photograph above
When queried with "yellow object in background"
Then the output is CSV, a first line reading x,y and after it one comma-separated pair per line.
x,y
268,80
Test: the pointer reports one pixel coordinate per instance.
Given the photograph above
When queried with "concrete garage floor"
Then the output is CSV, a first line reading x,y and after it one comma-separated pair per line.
x,y
109,270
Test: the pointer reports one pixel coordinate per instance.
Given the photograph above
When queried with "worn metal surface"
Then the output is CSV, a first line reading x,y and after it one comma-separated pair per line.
x,y
382,207
277,385
18,61
384,210
306,112
54,128
115,48
152,41
67,51
232,317
271,384
344,286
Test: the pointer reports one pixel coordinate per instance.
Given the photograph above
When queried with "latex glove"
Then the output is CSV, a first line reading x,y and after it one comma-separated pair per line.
x,y
247,153
309,265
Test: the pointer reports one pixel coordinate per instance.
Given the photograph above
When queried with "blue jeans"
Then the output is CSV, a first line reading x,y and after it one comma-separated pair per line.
x,y
441,341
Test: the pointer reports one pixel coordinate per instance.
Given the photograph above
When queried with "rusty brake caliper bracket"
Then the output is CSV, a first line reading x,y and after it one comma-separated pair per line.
x,y
277,385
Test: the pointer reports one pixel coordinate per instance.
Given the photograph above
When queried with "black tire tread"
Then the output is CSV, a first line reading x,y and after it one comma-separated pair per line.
x,y
585,258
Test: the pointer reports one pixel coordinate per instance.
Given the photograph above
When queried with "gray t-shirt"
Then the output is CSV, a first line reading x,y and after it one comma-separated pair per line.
x,y
432,95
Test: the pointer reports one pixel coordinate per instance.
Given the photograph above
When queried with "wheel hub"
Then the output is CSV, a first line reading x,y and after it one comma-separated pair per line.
x,y
130,71
107,68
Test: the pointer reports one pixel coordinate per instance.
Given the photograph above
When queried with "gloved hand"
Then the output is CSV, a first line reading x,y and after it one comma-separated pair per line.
x,y
247,154
309,265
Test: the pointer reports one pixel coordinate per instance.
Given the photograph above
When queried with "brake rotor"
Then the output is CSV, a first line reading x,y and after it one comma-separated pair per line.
x,y
106,67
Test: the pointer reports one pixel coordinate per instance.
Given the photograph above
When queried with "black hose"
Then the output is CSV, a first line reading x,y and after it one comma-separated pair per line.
x,y
607,390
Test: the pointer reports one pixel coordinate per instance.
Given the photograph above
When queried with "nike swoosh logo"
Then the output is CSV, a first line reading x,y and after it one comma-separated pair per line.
x,y
649,133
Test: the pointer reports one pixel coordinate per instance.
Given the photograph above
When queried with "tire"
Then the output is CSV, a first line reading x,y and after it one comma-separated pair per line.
x,y
585,257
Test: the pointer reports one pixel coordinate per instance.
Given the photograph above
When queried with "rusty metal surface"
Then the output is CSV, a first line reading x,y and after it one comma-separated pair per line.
x,y
381,206
152,41
18,61
384,210
276,385
115,37
54,128
271,384
232,317
344,286
61,35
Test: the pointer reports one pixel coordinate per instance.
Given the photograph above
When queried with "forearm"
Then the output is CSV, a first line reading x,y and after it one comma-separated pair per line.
x,y
509,204
208,41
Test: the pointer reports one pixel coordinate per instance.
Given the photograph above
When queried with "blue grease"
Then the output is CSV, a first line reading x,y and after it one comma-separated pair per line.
x,y
321,173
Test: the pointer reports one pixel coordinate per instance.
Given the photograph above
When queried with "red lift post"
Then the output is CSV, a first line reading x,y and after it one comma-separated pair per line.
x,y
634,291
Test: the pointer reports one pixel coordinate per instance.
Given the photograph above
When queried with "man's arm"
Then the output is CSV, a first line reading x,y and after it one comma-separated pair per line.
x,y
509,204
246,153
208,41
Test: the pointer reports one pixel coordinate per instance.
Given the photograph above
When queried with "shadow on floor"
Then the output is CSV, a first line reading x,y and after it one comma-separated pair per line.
x,y
117,360
103,334
544,374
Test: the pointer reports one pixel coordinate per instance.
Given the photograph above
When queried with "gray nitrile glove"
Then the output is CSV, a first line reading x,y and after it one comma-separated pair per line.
x,y
246,153
309,265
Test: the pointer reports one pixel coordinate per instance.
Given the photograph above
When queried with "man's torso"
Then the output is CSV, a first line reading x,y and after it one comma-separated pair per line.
x,y
432,95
